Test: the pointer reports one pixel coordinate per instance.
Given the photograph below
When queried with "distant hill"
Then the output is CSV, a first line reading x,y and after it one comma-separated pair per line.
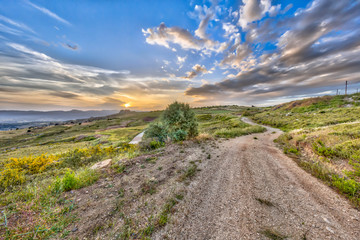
x,y
12,118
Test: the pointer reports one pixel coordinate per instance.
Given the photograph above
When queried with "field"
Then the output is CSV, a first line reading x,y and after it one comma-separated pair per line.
x,y
40,166
323,136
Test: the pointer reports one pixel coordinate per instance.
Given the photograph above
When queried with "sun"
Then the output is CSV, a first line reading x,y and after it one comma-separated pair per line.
x,y
127,105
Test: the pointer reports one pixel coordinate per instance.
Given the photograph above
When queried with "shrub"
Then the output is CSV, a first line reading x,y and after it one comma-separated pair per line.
x,y
157,131
179,135
15,169
180,119
178,122
320,148
69,181
150,144
347,186
72,180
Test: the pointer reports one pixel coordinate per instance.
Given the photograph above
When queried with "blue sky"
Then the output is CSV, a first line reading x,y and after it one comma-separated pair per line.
x,y
146,54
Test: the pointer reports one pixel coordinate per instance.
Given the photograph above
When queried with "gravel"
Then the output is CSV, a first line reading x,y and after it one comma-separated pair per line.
x,y
252,190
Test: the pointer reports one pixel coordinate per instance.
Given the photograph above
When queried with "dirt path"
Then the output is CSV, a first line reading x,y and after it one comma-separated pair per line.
x,y
252,190
137,138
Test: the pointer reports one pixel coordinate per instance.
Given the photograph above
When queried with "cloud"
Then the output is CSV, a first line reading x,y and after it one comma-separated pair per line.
x,y
9,30
229,29
164,36
16,24
55,84
181,60
318,52
254,10
64,94
196,70
48,12
201,31
70,46
317,22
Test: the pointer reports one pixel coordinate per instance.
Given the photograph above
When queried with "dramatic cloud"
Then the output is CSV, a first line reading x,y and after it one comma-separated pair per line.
x,y
311,55
165,36
255,51
26,72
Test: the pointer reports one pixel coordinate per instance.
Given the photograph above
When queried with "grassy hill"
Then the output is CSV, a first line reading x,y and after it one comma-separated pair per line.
x,y
323,136
40,166
44,170
310,112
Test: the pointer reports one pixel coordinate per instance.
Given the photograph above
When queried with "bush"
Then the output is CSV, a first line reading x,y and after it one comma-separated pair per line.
x,y
347,186
69,181
15,170
72,180
149,144
178,122
157,131
179,118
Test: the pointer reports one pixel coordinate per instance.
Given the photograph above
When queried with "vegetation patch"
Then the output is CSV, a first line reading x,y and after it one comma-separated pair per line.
x,y
273,234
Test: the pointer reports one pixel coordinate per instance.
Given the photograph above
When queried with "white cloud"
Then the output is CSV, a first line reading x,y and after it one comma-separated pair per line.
x,y
254,10
16,24
48,12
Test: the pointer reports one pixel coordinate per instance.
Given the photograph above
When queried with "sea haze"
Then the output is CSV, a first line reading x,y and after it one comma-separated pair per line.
x,y
10,119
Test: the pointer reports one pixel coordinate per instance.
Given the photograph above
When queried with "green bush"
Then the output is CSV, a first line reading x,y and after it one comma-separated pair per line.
x,y
179,116
157,131
69,181
179,135
149,144
320,148
347,186
178,122
72,180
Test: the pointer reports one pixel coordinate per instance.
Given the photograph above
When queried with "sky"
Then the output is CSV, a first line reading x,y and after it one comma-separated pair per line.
x,y
143,55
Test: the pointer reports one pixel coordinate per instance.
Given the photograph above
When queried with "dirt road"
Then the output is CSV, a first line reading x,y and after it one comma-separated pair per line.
x,y
251,190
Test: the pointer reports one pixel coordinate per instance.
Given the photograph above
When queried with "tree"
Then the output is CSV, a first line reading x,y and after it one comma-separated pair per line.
x,y
178,122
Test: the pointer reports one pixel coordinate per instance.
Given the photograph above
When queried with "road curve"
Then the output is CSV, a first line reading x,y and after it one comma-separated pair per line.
x,y
252,188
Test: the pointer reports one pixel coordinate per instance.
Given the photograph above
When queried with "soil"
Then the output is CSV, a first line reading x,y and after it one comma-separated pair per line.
x,y
254,191
246,188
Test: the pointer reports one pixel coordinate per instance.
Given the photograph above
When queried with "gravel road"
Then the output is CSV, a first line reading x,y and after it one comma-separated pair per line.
x,y
252,190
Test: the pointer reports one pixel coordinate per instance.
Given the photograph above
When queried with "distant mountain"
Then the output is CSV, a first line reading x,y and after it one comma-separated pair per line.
x,y
14,116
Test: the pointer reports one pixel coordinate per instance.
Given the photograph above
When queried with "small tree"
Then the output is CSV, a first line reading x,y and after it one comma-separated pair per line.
x,y
177,122
180,120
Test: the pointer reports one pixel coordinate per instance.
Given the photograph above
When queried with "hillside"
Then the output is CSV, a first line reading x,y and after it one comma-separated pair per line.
x,y
323,136
41,167
83,180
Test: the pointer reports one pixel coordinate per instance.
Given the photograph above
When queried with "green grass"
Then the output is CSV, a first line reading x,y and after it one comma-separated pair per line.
x,y
189,172
310,113
226,125
334,146
237,131
328,128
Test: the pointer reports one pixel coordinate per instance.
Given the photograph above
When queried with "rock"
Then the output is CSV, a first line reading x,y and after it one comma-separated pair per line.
x,y
329,229
74,229
101,165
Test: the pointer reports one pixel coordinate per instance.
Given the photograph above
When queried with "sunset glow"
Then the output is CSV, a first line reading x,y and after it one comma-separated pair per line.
x,y
55,56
